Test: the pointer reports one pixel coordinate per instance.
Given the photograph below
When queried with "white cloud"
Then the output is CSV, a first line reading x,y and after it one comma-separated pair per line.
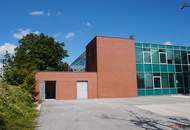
x,y
56,35
70,35
88,24
45,13
59,13
7,47
168,43
37,13
20,33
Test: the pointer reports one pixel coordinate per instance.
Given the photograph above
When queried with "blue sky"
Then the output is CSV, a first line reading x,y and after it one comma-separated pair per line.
x,y
76,22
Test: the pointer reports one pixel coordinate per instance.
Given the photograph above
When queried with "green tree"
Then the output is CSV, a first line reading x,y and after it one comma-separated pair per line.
x,y
34,53
40,51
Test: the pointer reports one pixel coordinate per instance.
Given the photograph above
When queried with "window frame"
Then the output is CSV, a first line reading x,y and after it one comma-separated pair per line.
x,y
150,57
160,58
160,82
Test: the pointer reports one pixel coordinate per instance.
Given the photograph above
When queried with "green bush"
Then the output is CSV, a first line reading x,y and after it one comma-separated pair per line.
x,y
17,110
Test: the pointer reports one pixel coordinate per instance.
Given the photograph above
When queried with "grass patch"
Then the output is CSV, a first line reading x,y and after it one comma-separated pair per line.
x,y
17,109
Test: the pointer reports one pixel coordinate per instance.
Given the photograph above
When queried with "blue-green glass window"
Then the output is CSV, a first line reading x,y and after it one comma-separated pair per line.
x,y
176,47
183,48
179,80
148,80
178,68
165,83
155,56
146,45
147,57
154,45
147,67
162,46
189,58
169,47
186,82
163,68
171,80
171,68
177,56
157,81
156,67
185,68
170,57
184,57
162,57
139,57
138,45
140,80
139,67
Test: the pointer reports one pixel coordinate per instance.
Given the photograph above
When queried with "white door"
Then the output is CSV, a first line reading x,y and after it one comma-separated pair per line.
x,y
42,90
82,90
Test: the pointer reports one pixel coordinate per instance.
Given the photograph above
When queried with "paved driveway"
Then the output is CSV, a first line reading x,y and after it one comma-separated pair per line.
x,y
150,113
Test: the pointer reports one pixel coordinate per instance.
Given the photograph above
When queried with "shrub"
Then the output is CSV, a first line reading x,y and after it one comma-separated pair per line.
x,y
17,110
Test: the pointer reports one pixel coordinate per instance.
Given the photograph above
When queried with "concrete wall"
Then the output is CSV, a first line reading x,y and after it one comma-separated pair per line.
x,y
66,83
116,67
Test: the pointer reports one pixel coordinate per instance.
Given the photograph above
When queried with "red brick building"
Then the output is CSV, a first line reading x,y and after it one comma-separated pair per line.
x,y
107,74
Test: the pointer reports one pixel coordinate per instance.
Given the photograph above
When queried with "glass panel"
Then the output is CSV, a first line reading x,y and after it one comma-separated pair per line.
x,y
147,68
141,92
185,68
148,80
154,45
149,92
170,57
189,58
157,91
177,57
165,83
155,56
162,57
156,74
139,67
165,91
176,47
140,80
146,45
179,80
162,46
173,91
171,68
171,81
178,68
156,67
157,82
138,44
186,83
147,57
138,55
183,48
164,68
184,57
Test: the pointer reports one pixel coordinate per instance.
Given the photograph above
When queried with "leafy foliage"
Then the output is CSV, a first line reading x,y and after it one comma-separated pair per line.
x,y
34,53
17,110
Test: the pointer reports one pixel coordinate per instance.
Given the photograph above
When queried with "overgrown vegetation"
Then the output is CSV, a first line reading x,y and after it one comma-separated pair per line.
x,y
17,109
34,53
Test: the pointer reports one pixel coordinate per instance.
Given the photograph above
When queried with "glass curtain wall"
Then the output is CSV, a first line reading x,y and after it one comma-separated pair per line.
x,y
162,69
